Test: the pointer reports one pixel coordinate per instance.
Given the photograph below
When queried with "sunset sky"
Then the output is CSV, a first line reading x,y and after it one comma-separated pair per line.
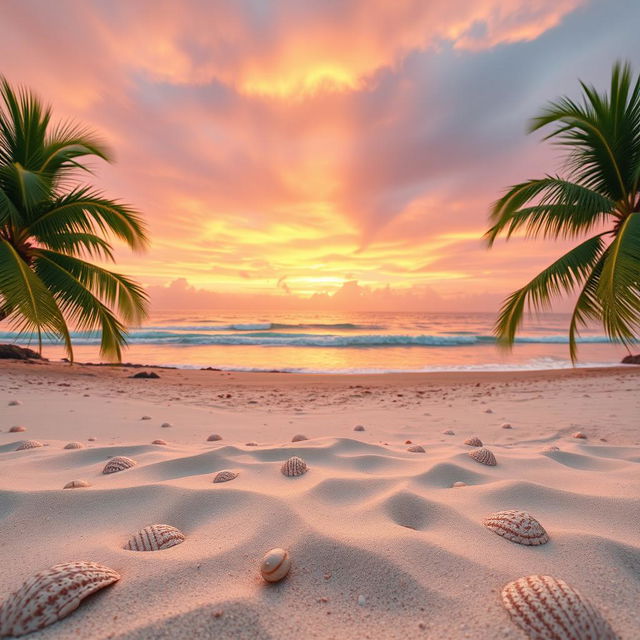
x,y
318,153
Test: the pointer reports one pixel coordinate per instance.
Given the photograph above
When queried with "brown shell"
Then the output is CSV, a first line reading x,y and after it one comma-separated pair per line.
x,y
119,463
214,437
225,476
358,427
294,466
29,444
159,442
251,444
517,526
17,429
483,456
416,448
76,484
74,445
155,537
50,595
473,442
579,434
299,438
546,608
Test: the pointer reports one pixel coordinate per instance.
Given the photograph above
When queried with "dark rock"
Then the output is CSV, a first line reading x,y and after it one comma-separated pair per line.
x,y
145,374
631,359
14,352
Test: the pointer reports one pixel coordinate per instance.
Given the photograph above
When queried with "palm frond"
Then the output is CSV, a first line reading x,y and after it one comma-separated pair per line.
x,y
79,243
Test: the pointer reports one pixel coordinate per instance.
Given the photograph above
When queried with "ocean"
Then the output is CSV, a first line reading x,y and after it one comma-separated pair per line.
x,y
344,343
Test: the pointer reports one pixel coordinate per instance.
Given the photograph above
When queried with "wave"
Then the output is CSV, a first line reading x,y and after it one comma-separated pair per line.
x,y
268,326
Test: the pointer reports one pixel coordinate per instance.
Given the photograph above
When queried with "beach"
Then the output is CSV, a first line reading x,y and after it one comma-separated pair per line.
x,y
382,544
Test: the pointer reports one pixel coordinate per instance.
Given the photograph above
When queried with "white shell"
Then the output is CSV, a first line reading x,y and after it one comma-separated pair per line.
x,y
159,442
473,441
275,565
50,595
29,444
546,608
76,484
517,526
155,537
579,434
459,484
225,476
119,463
483,456
416,448
358,427
294,466
17,429
299,438
214,437
74,445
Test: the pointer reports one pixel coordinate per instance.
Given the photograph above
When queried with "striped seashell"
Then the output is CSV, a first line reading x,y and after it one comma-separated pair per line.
x,y
547,608
294,466
159,442
50,595
416,448
29,444
155,537
358,427
299,438
214,437
483,456
17,429
225,476
275,565
76,484
517,526
473,442
119,463
448,432
74,445
579,434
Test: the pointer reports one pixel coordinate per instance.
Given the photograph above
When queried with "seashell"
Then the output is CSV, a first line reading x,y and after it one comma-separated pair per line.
x,y
156,537
408,442
294,466
459,484
488,410
416,448
29,444
76,484
517,526
118,463
50,595
214,437
275,565
159,442
145,418
251,444
506,425
164,425
17,429
14,403
225,476
358,427
579,434
448,432
473,442
299,438
91,439
483,456
547,608
74,445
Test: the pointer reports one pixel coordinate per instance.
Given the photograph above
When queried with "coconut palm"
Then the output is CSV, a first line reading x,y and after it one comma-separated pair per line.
x,y
599,195
49,222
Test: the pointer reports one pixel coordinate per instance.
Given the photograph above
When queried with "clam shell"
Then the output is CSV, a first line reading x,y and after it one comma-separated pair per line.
x,y
74,445
358,427
76,484
50,595
294,466
159,442
214,437
517,526
484,456
579,434
473,442
416,448
17,429
299,438
547,608
29,444
225,476
119,463
155,537
275,565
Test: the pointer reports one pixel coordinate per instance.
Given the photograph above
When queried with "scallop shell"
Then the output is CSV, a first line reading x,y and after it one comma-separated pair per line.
x,y
74,445
579,434
294,466
29,444
484,456
50,595
275,565
517,526
547,608
416,448
119,463
155,537
17,429
159,442
225,476
358,427
76,484
299,438
214,437
473,442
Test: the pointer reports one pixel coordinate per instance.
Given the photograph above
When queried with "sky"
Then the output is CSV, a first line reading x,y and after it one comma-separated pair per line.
x,y
312,154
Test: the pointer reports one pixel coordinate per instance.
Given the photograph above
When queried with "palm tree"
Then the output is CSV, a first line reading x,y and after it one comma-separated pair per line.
x,y
49,222
600,193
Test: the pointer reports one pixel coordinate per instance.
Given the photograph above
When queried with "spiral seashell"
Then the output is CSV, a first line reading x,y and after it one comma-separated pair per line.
x,y
50,595
156,537
119,463
214,437
17,429
299,438
275,565
294,466
579,435
416,448
483,456
448,432
517,526
358,427
159,442
76,484
29,444
473,442
74,445
547,608
225,476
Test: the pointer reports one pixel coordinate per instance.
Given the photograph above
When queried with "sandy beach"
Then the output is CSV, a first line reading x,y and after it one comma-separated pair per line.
x,y
382,545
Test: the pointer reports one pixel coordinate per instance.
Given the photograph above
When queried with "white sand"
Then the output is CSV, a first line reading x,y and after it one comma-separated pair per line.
x,y
369,519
